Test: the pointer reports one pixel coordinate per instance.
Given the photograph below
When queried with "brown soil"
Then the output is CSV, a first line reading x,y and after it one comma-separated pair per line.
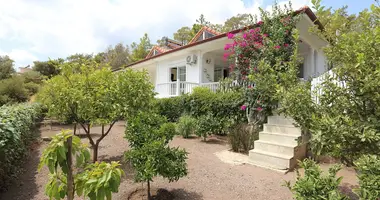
x,y
208,177
157,194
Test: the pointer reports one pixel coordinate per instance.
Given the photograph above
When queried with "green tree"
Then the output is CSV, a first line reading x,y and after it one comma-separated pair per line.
x,y
148,135
237,22
12,90
93,95
96,181
117,56
350,99
47,68
183,35
140,50
6,67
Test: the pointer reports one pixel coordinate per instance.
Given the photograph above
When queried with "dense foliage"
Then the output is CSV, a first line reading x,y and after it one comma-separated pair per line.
x,y
215,113
96,181
148,135
6,67
314,185
16,132
91,95
345,121
368,167
171,108
202,102
186,126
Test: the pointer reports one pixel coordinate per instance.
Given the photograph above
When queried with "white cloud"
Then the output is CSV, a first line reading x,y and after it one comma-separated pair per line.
x,y
37,29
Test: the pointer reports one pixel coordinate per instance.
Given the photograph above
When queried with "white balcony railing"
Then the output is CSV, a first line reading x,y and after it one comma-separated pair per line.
x,y
177,88
316,83
213,86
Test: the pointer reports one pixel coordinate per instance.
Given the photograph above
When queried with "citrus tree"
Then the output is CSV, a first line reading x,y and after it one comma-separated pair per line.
x,y
148,135
96,181
92,95
350,102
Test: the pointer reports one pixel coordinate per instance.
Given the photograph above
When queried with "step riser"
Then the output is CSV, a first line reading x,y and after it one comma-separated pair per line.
x,y
282,129
281,139
280,120
273,148
270,161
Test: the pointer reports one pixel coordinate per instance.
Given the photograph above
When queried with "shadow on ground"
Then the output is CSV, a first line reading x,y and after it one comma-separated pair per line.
x,y
347,189
185,195
25,187
215,141
163,194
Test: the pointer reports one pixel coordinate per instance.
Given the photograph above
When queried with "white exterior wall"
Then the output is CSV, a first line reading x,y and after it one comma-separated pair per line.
x,y
314,60
208,69
163,70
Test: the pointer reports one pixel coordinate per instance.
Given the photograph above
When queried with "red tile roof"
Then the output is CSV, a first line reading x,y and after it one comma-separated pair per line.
x,y
200,32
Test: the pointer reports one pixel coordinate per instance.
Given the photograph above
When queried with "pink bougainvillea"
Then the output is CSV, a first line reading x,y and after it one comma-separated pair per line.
x,y
230,35
243,107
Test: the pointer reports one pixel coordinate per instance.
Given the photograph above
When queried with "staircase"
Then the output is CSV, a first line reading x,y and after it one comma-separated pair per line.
x,y
278,145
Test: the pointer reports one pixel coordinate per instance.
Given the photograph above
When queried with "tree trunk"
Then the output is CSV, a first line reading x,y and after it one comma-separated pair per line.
x,y
95,152
149,196
70,178
75,128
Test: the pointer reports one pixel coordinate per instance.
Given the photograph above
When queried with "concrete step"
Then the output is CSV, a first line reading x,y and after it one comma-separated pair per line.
x,y
271,160
284,129
281,120
272,147
287,139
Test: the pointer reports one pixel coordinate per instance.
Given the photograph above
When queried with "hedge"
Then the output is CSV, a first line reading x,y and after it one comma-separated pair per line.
x,y
16,128
203,102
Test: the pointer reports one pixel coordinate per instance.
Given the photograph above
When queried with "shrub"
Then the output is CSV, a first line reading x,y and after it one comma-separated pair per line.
x,y
223,106
32,88
13,90
16,124
314,185
241,137
368,167
171,108
205,126
186,126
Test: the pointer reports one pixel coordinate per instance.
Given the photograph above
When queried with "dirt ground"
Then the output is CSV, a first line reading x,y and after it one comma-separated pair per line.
x,y
208,178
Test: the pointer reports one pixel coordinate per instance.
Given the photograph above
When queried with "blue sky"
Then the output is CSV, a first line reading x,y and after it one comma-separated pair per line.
x,y
41,29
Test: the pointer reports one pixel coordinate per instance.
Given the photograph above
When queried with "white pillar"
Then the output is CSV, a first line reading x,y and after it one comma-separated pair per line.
x,y
178,86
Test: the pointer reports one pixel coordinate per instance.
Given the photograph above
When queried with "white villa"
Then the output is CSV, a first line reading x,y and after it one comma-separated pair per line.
x,y
176,69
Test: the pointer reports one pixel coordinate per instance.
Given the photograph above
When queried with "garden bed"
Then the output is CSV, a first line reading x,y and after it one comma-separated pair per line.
x,y
208,177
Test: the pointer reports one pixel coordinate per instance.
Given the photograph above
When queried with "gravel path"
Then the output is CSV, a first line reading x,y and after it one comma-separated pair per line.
x,y
208,178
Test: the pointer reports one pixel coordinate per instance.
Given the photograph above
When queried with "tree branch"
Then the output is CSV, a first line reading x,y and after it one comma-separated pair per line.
x,y
104,134
88,133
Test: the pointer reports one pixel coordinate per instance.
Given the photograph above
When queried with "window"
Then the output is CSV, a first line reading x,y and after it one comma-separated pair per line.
x,y
208,35
179,72
155,52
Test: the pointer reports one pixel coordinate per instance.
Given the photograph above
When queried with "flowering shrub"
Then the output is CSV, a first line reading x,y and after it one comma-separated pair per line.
x,y
265,55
